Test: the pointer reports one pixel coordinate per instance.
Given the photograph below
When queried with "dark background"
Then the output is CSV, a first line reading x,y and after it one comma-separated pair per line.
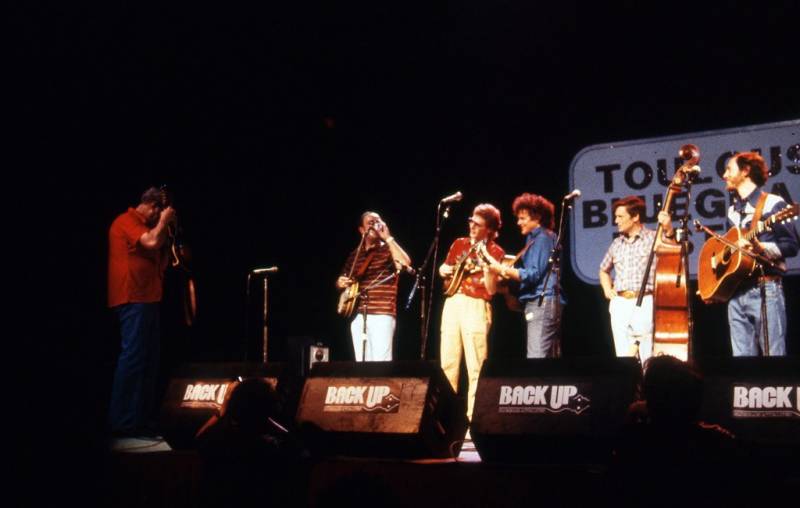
x,y
275,126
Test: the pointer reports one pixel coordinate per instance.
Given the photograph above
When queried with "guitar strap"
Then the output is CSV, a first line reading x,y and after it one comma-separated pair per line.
x,y
523,251
759,210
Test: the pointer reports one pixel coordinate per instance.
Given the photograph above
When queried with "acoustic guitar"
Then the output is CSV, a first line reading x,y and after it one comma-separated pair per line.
x,y
720,268
466,264
507,287
178,251
179,256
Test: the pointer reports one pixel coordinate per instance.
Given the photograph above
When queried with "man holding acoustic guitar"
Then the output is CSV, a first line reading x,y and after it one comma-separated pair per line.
x,y
745,173
469,286
369,288
534,215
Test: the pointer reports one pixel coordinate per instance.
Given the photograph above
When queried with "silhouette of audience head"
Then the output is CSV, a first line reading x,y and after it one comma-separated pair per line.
x,y
673,390
251,404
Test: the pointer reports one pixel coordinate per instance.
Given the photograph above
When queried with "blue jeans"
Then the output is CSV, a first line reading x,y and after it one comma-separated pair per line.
x,y
744,318
134,391
543,324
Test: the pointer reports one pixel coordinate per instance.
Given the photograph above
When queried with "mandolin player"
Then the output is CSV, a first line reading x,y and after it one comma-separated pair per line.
x,y
370,274
746,173
467,314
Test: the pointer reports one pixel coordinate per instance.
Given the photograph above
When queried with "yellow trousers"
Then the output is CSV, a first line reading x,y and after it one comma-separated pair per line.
x,y
465,327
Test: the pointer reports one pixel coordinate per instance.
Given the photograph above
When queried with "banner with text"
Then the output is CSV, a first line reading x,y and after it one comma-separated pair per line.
x,y
608,172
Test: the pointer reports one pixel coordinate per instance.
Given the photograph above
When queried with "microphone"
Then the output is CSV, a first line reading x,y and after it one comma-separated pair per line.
x,y
452,198
409,270
572,195
412,293
271,269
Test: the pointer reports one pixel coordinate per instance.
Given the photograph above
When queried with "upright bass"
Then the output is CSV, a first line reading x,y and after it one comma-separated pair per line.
x,y
672,323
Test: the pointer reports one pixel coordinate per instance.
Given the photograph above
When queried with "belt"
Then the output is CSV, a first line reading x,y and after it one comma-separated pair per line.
x,y
632,294
753,282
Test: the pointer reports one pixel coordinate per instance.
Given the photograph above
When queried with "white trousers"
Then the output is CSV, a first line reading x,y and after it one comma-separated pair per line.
x,y
380,331
630,323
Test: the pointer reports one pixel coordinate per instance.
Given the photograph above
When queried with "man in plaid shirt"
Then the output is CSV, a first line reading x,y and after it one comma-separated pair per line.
x,y
631,326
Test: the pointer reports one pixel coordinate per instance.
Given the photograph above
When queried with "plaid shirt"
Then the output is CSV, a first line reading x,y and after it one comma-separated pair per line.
x,y
628,258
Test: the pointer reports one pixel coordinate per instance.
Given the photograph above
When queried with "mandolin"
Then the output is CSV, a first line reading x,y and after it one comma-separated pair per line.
x,y
466,264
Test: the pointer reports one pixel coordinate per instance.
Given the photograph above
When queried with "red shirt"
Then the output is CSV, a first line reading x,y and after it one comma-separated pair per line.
x,y
135,274
472,284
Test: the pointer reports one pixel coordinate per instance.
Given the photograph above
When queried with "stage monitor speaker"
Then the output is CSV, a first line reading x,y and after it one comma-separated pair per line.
x,y
197,391
757,399
381,409
559,410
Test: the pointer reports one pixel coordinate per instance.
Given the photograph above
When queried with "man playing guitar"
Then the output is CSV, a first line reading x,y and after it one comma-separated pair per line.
x,y
535,219
745,173
467,314
371,271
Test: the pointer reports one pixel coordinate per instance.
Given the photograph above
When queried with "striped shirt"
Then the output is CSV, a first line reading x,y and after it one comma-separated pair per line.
x,y
381,294
628,258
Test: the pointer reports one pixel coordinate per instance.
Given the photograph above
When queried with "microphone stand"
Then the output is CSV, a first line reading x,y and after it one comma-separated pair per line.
x,y
762,289
682,236
365,294
554,266
265,330
427,292
247,316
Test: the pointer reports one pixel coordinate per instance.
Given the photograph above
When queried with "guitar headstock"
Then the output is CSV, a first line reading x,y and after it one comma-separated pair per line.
x,y
786,215
166,196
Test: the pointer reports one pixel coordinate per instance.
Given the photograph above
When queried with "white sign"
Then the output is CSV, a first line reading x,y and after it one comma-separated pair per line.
x,y
606,173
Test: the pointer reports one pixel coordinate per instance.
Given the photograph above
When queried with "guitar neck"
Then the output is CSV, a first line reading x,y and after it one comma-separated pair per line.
x,y
761,226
